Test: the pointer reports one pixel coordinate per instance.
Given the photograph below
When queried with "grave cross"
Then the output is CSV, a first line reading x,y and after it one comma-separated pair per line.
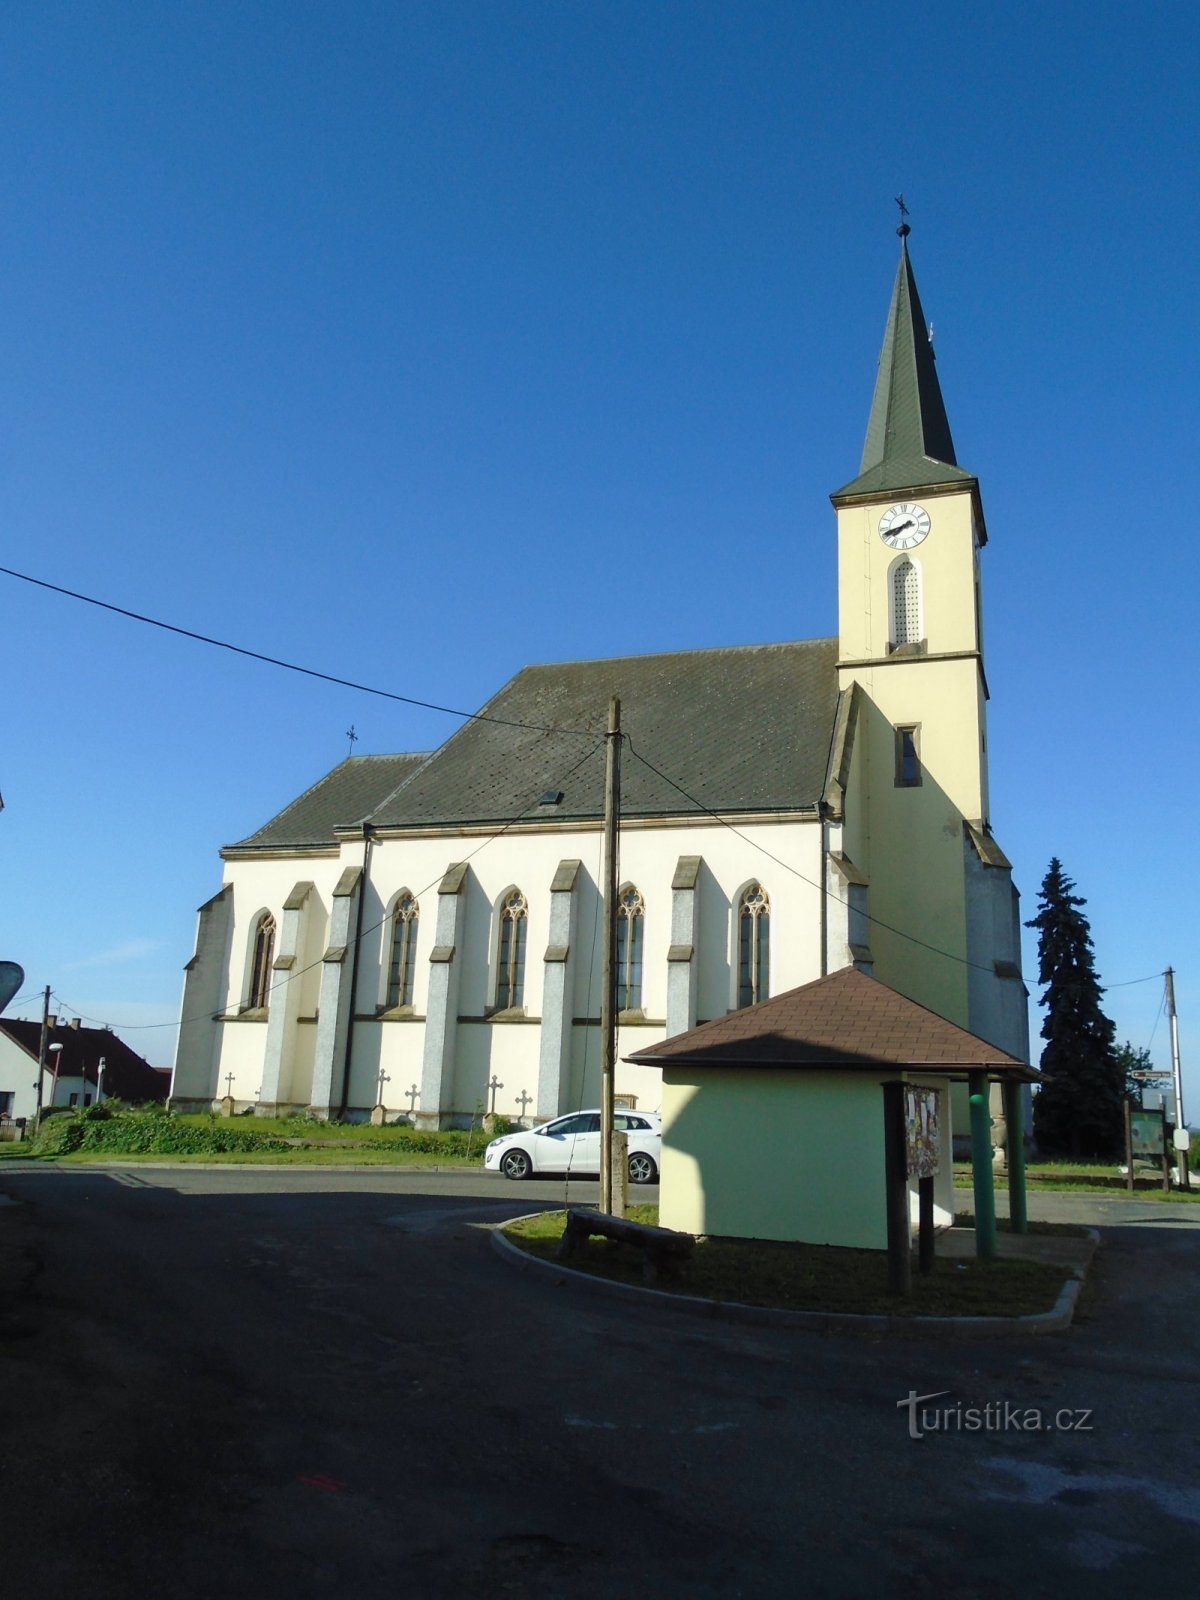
x,y
524,1099
229,1084
383,1078
412,1100
493,1086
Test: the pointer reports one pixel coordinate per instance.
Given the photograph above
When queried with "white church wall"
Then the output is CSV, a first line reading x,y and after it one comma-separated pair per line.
x,y
529,862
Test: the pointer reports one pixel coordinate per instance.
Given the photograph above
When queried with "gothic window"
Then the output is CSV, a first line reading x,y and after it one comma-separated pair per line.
x,y
906,604
631,915
260,962
754,945
510,983
403,961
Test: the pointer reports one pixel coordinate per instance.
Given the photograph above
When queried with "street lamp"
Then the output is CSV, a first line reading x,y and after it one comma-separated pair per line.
x,y
56,1052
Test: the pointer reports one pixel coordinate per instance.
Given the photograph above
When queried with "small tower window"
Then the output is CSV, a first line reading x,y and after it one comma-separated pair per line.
x,y
908,758
510,983
906,604
754,945
631,912
402,965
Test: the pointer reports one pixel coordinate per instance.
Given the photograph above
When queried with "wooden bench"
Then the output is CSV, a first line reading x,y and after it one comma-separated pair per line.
x,y
664,1249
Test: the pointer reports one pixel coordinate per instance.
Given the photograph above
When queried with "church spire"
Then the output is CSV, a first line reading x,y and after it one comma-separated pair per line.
x,y
908,444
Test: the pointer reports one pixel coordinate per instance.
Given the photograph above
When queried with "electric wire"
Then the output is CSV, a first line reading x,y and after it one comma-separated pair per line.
x,y
291,666
820,888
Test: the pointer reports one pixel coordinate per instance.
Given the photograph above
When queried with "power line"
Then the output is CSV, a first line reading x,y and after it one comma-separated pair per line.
x,y
821,888
291,666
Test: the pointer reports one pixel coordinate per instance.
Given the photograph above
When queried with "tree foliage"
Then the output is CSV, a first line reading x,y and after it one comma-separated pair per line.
x,y
1130,1061
1078,1110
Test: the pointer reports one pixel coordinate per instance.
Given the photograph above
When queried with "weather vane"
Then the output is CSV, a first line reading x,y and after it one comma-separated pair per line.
x,y
903,230
353,738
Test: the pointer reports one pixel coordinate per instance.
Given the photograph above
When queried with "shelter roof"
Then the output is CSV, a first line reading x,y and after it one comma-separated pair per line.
x,y
845,1021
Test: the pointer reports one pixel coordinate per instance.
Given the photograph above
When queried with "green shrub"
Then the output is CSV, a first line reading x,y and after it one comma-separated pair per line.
x,y
143,1133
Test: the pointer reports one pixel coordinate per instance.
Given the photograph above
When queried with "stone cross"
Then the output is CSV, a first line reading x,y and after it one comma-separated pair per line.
x,y
524,1099
412,1100
383,1078
229,1084
493,1086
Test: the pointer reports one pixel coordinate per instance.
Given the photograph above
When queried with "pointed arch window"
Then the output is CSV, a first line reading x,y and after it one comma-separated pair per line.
x,y
631,916
906,603
754,945
510,982
402,962
262,956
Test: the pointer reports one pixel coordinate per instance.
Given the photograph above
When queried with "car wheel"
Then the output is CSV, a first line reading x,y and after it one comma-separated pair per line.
x,y
642,1168
516,1164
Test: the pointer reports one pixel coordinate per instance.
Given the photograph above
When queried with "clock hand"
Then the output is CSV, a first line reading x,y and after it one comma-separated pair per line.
x,y
900,527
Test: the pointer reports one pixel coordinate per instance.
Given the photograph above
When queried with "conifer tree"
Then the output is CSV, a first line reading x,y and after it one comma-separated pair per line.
x,y
1078,1110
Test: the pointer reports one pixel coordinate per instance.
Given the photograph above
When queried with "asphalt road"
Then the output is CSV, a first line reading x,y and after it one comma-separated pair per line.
x,y
226,1383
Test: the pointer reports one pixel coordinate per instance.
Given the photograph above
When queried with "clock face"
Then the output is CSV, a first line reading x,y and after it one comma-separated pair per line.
x,y
903,526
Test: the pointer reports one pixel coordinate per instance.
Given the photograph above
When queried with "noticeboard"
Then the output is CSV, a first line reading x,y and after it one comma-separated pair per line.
x,y
921,1130
1146,1134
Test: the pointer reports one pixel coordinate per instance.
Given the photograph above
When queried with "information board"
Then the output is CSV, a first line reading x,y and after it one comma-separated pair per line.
x,y
1146,1134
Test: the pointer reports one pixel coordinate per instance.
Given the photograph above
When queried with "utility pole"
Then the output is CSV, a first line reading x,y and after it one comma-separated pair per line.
x,y
42,1054
608,969
1176,1072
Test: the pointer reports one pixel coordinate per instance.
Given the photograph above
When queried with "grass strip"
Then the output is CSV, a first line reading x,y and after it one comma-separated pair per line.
x,y
806,1277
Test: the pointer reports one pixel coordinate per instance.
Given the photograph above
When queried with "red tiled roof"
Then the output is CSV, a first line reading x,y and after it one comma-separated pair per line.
x,y
126,1075
845,1020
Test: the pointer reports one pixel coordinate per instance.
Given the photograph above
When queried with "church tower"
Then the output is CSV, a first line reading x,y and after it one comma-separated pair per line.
x,y
912,754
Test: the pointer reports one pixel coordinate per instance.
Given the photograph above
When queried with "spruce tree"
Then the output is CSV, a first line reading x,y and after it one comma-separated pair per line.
x,y
1078,1110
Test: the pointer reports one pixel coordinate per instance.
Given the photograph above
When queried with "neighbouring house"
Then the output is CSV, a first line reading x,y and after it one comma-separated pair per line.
x,y
426,926
89,1057
773,1120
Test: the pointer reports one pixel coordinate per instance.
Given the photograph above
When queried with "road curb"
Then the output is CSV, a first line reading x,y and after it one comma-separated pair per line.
x,y
1057,1320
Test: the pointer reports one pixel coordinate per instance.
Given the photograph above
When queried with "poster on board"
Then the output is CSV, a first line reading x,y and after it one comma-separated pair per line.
x,y
921,1130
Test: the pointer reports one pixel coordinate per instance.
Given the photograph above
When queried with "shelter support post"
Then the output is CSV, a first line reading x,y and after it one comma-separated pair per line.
x,y
981,1167
895,1165
1014,1102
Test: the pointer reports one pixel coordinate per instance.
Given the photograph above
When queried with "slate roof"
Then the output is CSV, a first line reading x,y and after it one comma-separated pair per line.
x,y
739,730
908,443
127,1076
342,797
847,1020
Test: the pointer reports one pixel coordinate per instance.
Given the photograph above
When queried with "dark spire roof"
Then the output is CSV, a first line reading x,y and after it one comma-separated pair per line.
x,y
908,444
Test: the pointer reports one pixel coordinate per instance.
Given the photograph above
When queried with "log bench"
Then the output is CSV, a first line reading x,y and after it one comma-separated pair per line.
x,y
663,1249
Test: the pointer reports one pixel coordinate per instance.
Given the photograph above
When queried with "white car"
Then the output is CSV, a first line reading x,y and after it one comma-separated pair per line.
x,y
571,1145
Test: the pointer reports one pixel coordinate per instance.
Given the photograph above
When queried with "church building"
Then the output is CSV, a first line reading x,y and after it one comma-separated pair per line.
x,y
423,931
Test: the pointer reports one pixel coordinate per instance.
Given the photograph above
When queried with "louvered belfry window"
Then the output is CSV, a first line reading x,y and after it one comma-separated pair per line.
x,y
906,603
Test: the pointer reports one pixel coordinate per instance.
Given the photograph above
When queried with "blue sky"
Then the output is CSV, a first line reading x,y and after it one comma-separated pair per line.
x,y
418,342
